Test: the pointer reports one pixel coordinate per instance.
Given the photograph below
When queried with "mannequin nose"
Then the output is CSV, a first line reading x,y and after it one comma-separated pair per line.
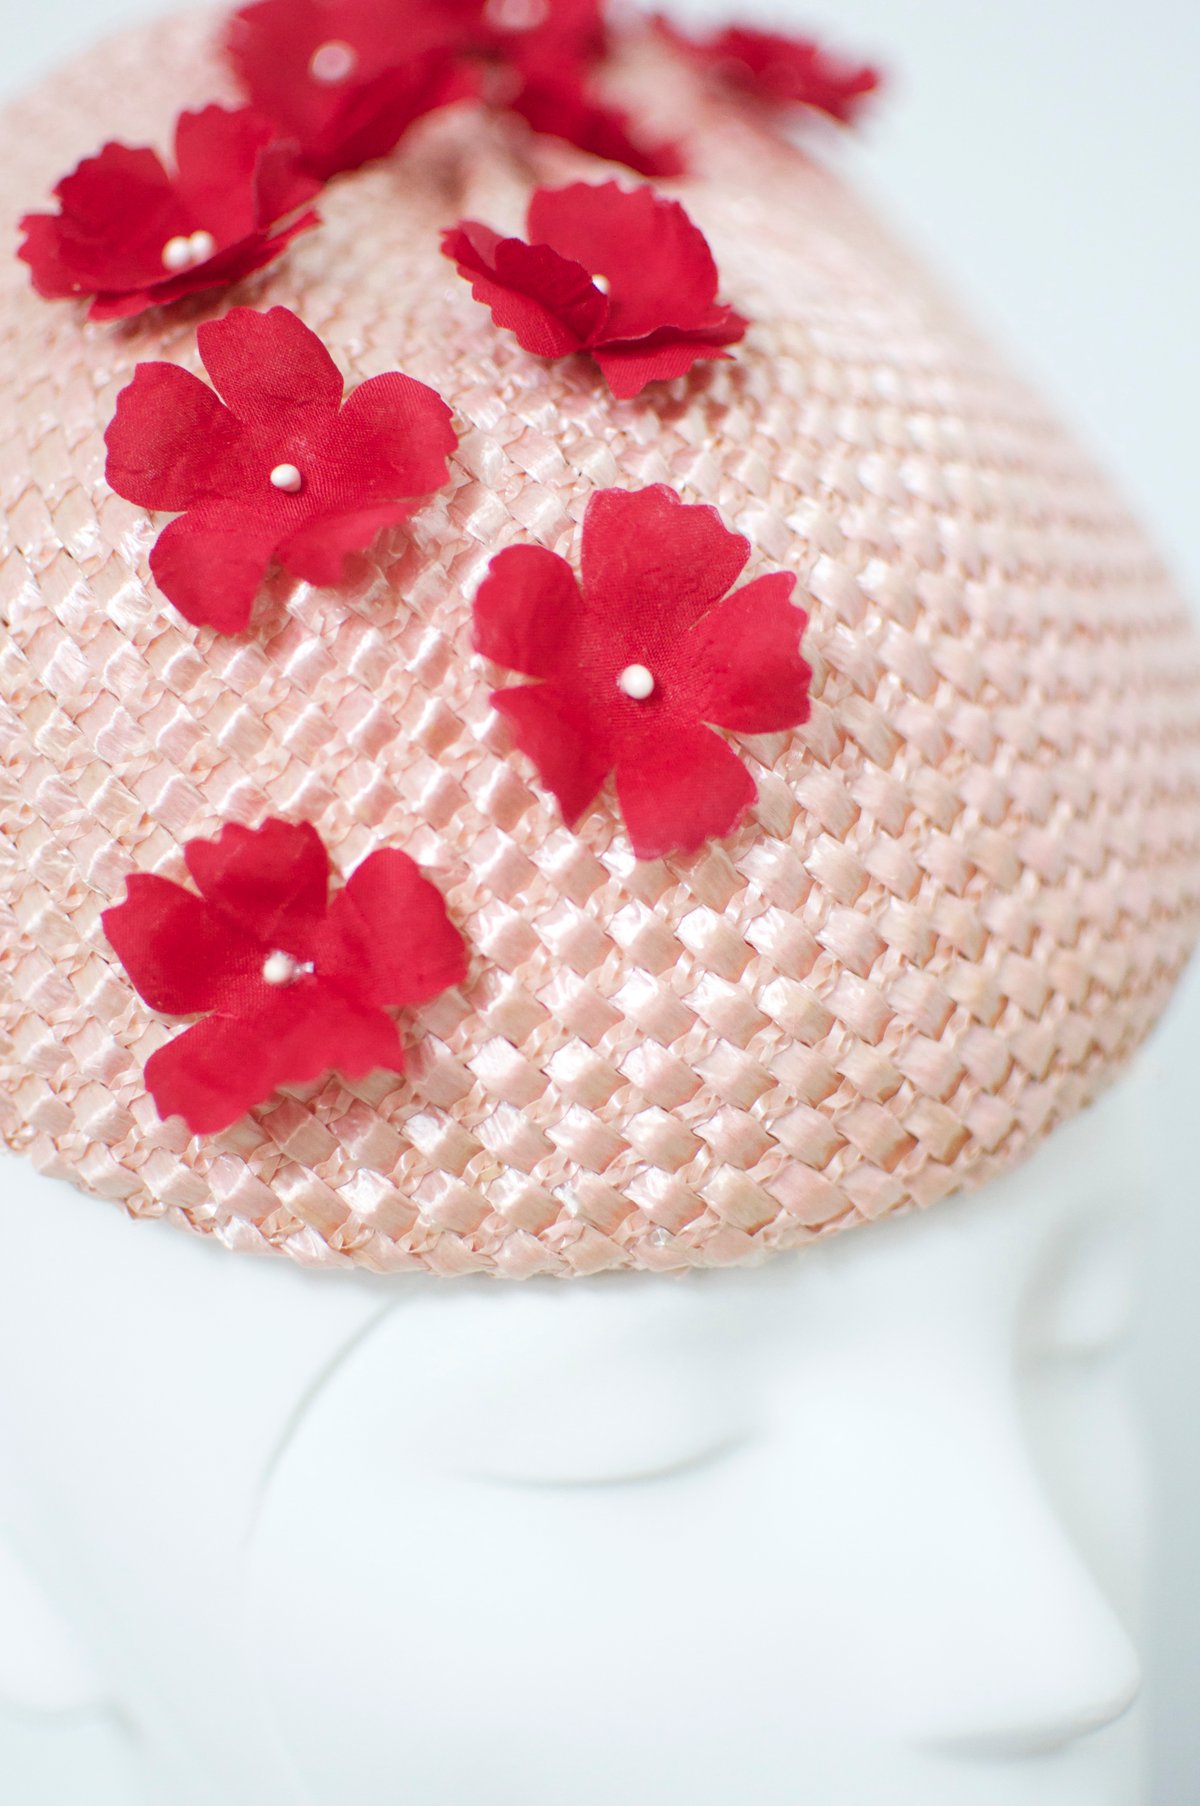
x,y
988,1633
1051,1662
1032,1654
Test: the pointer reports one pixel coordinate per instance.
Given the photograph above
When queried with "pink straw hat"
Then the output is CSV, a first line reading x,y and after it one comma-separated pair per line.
x,y
962,898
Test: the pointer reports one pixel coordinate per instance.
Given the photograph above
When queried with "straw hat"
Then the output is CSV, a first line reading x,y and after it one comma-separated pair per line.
x,y
961,901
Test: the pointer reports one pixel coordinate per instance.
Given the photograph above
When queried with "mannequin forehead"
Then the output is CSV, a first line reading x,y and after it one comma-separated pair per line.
x,y
629,1377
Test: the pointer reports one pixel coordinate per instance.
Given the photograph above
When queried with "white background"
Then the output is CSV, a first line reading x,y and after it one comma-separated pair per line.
x,y
1046,153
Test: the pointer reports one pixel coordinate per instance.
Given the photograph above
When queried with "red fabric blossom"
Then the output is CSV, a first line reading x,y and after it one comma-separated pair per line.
x,y
534,31
653,310
637,657
271,465
540,54
558,103
781,70
291,985
134,236
346,78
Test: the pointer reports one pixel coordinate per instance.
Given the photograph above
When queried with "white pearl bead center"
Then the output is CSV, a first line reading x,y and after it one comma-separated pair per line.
x,y
282,969
603,284
333,62
636,682
286,476
516,15
184,253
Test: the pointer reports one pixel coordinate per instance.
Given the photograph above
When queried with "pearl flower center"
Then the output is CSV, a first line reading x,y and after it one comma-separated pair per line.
x,y
184,253
516,15
286,476
282,969
333,62
636,682
603,284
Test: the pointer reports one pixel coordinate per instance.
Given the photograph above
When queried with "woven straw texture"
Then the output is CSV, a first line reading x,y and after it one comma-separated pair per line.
x,y
971,880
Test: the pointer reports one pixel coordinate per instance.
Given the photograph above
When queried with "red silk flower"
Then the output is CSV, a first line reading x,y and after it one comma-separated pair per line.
x,y
290,984
557,102
537,57
781,70
540,54
525,32
269,464
133,236
637,657
623,275
346,78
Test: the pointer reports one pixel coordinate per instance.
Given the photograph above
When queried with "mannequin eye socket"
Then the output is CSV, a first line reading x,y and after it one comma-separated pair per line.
x,y
578,1470
1081,1305
620,1385
653,1435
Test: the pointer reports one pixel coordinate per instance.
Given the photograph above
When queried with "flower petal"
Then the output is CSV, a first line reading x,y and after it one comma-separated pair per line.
x,y
118,209
235,174
646,551
211,564
688,789
216,159
550,304
371,119
779,69
550,727
271,370
280,180
98,190
524,610
181,956
628,366
270,883
748,649
395,435
317,553
216,1071
49,261
388,938
171,442
656,259
556,102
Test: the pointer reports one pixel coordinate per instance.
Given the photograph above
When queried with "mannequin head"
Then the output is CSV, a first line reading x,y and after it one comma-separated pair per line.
x,y
863,1521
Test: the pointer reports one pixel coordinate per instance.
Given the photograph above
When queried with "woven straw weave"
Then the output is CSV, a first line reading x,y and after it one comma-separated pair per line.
x,y
970,883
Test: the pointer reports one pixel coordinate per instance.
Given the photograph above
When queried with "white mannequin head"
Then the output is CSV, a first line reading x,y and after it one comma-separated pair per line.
x,y
862,1524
